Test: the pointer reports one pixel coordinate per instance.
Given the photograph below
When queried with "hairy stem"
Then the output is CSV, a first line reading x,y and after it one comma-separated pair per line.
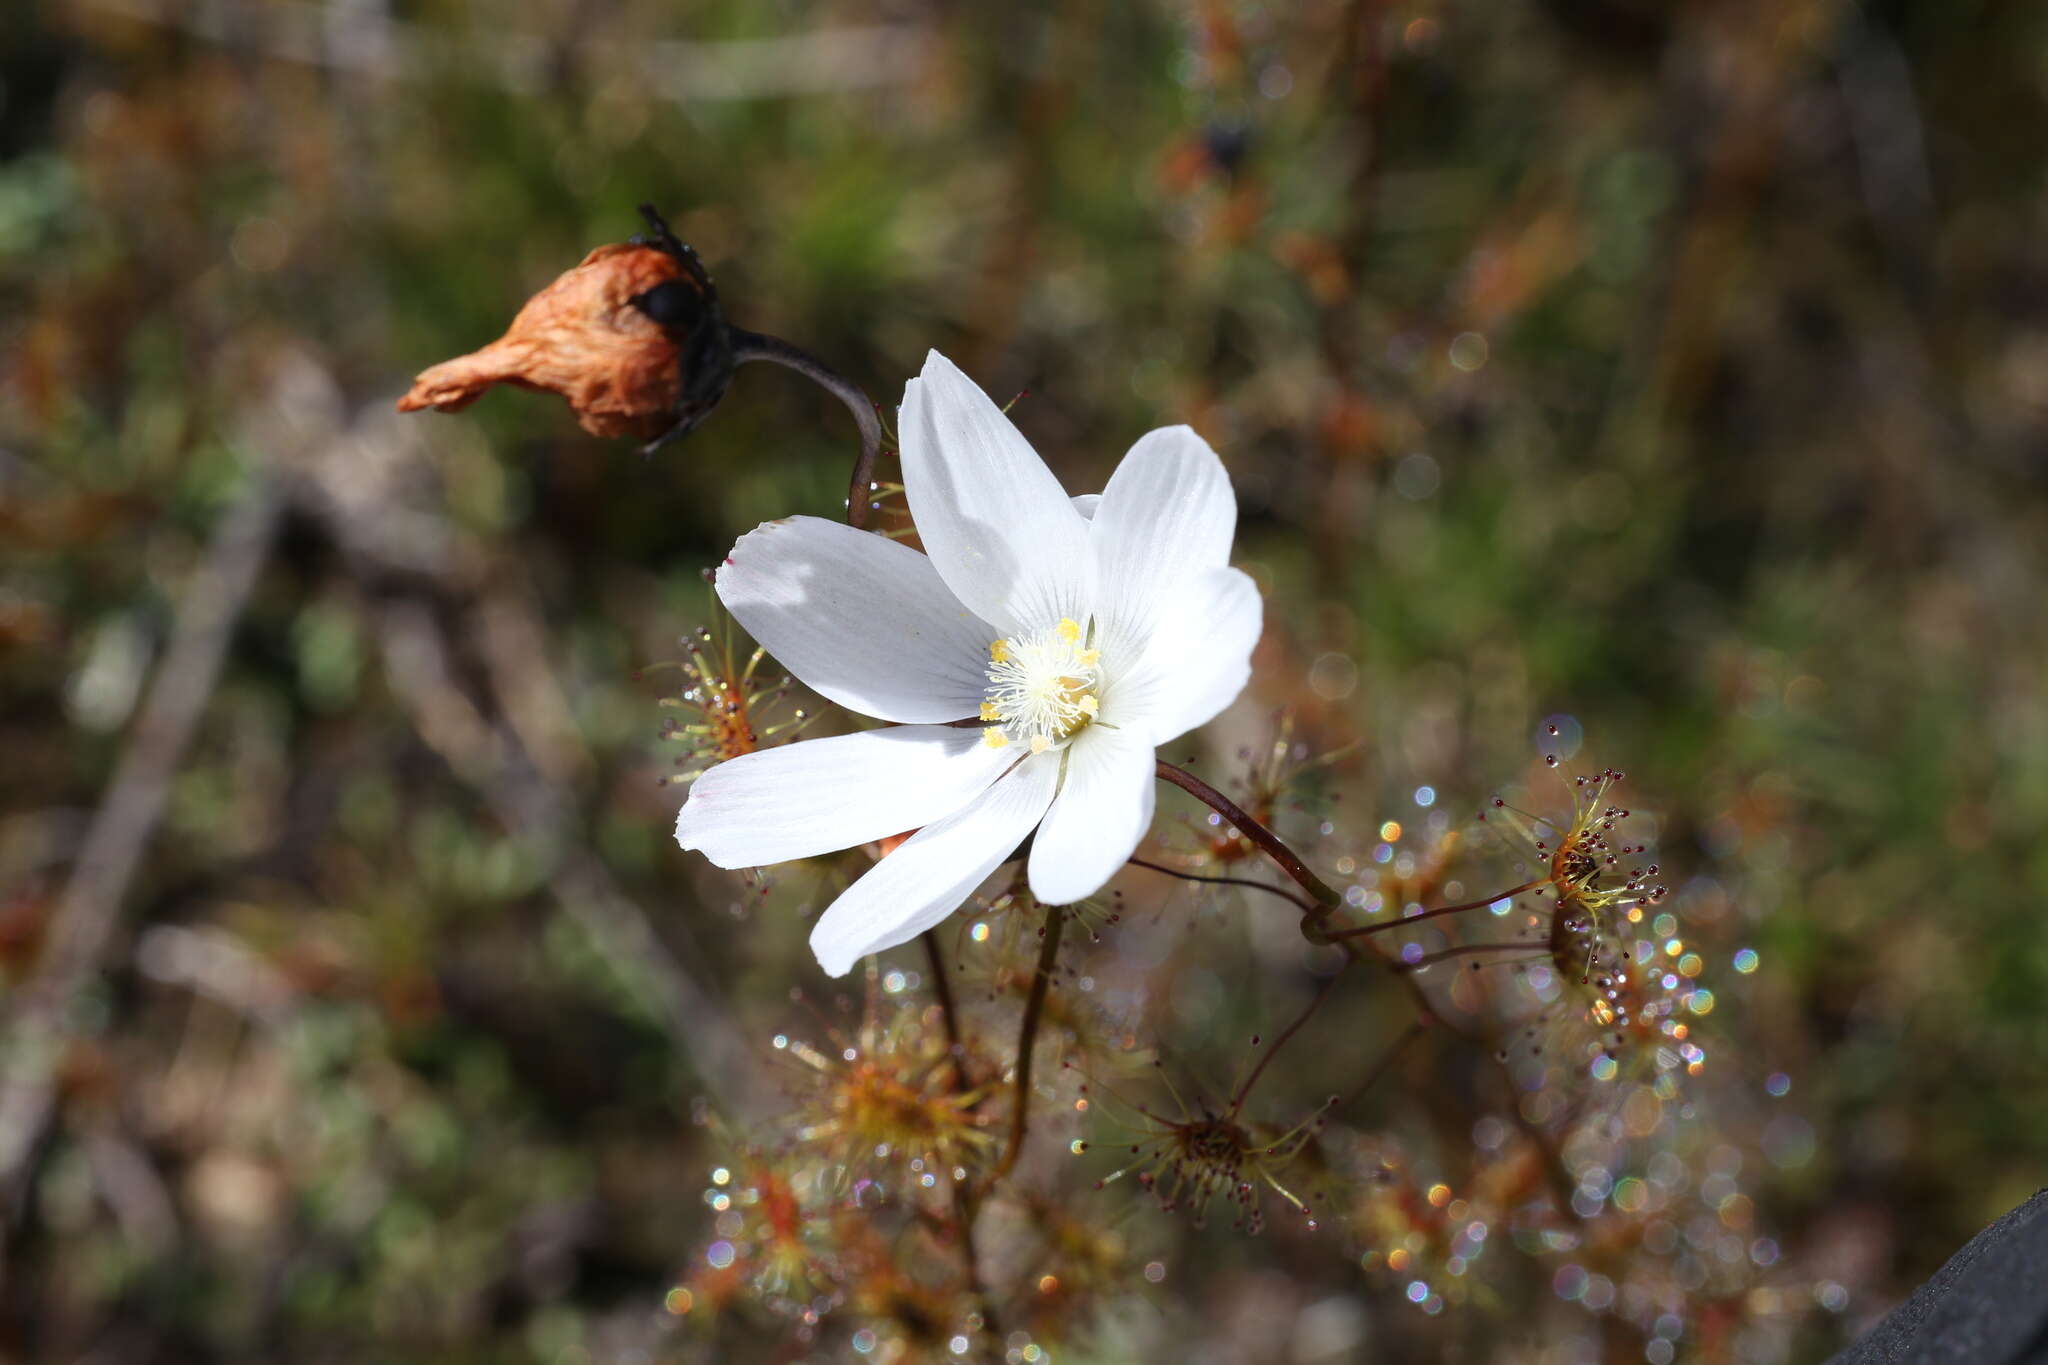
x,y
1326,899
1027,1038
749,346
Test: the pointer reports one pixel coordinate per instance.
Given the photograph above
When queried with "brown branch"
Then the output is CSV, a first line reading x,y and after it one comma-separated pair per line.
x,y
1327,900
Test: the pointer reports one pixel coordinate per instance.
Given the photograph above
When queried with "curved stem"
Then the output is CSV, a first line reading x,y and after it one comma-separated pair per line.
x,y
1326,899
750,346
1306,907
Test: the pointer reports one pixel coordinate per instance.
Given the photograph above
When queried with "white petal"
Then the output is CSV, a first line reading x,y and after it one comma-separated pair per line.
x,y
991,515
1086,503
1198,659
928,877
859,619
1167,515
825,794
1103,810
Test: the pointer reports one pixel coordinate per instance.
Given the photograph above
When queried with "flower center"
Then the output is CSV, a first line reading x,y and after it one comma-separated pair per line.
x,y
1041,688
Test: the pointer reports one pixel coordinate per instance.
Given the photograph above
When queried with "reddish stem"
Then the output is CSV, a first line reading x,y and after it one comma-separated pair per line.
x,y
1432,914
1326,899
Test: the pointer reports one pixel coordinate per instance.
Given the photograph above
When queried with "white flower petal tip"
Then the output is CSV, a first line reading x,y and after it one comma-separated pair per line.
x,y
1102,812
1197,657
1167,517
999,528
822,795
932,872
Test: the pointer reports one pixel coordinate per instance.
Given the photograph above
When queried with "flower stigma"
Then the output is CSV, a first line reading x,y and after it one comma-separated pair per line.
x,y
1041,688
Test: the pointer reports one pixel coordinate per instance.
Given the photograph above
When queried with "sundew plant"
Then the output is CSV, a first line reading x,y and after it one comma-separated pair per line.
x,y
992,1143
1245,683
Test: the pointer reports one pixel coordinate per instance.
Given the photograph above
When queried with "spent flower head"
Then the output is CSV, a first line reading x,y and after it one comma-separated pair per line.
x,y
632,337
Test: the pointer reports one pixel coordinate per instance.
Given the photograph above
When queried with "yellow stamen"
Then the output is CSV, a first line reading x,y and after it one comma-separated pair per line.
x,y
994,737
1090,705
1090,657
990,711
1069,629
999,651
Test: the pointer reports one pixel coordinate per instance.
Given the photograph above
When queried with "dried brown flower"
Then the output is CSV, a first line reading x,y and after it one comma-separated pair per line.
x,y
587,337
633,337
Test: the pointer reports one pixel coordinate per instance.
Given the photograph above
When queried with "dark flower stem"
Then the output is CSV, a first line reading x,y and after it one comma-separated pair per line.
x,y
942,989
749,346
1325,897
1027,1037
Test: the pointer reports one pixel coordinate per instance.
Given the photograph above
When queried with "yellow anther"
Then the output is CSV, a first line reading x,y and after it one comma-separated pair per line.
x,y
990,711
994,737
999,651
1070,629
1089,705
1039,744
1090,657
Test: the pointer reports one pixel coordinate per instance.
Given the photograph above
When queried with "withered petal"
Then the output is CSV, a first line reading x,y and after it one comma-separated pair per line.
x,y
582,338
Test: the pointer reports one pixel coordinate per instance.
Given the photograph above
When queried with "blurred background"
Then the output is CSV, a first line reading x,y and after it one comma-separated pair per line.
x,y
1675,374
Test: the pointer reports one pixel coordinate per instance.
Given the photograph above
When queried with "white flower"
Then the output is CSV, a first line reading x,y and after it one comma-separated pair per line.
x,y
1081,633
